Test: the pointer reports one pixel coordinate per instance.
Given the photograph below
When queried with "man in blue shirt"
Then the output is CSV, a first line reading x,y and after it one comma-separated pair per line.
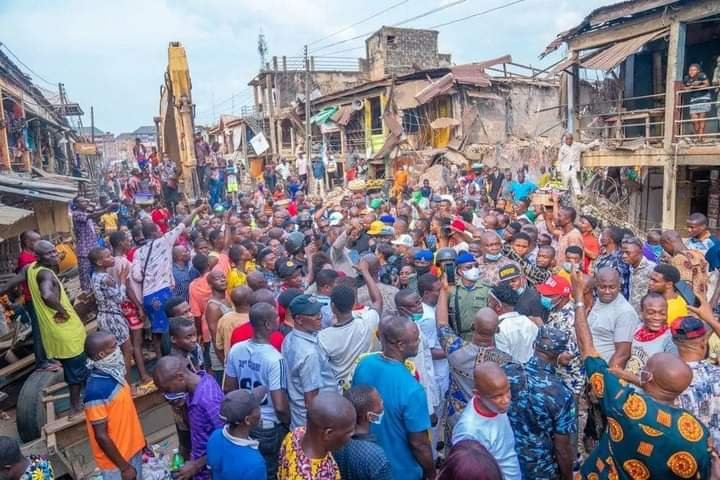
x,y
403,431
521,188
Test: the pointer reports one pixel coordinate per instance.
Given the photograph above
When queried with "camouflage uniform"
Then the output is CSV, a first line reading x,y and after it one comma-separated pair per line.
x,y
489,271
463,304
542,406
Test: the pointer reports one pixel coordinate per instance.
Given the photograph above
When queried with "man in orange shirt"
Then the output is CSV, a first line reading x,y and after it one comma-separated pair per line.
x,y
116,436
199,293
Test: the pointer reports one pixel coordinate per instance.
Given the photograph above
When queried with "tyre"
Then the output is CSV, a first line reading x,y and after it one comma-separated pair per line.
x,y
31,414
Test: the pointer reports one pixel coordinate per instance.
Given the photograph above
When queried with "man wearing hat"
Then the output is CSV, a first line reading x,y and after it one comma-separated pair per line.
x,y
529,301
467,296
290,272
309,371
230,449
690,335
542,410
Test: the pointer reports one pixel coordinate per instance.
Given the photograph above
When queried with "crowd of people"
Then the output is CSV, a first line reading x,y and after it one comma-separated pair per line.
x,y
458,332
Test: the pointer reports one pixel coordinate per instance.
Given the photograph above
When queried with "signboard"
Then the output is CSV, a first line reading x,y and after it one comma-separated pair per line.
x,y
86,148
259,143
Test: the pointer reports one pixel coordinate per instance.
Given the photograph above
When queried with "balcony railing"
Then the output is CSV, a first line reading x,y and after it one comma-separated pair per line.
x,y
615,124
684,128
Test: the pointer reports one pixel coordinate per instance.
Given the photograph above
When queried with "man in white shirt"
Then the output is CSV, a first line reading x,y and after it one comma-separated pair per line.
x,y
485,420
255,363
516,332
569,161
283,169
351,333
429,288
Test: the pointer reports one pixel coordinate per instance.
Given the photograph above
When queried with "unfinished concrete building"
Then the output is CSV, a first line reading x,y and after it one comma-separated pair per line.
x,y
631,62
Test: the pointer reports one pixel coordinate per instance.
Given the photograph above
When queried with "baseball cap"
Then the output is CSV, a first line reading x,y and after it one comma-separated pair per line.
x,y
285,267
238,404
424,255
464,257
387,219
335,219
458,225
550,339
404,240
286,297
387,231
305,305
508,272
555,285
687,328
376,228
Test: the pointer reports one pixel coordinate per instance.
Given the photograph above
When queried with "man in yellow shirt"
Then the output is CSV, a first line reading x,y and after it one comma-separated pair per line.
x,y
662,280
109,222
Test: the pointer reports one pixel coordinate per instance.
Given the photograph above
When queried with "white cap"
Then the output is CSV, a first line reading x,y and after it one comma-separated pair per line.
x,y
405,240
336,218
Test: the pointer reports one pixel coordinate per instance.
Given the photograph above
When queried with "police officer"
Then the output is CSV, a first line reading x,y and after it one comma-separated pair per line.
x,y
467,296
542,412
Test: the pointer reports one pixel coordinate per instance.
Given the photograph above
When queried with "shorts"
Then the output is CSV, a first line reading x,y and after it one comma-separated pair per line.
x,y
130,312
135,461
75,369
694,108
155,310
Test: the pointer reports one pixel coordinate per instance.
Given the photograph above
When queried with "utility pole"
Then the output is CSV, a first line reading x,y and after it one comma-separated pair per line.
x,y
308,132
92,124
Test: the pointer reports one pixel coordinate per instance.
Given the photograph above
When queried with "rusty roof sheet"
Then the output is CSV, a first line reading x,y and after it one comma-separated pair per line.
x,y
472,74
612,56
343,115
436,88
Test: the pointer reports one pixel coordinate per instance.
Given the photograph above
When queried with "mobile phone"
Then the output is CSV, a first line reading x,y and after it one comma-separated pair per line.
x,y
686,292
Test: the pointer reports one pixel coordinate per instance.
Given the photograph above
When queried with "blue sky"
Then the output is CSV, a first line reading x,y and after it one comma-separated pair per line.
x,y
112,54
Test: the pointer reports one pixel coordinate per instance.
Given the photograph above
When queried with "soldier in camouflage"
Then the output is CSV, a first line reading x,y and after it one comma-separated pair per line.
x,y
467,297
542,411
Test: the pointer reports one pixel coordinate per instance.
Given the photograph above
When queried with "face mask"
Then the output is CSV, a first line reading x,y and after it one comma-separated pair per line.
x,y
375,418
415,317
493,257
112,364
520,290
546,302
172,397
472,275
423,270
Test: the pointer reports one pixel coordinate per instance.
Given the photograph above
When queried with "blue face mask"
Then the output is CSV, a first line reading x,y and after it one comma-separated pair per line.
x,y
416,317
546,302
493,257
375,418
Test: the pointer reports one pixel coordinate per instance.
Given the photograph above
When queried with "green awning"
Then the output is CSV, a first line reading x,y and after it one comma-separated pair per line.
x,y
324,115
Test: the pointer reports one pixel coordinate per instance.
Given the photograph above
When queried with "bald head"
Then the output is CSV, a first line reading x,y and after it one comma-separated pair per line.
x,y
491,387
98,342
486,322
168,368
330,410
607,274
240,296
670,375
256,280
670,236
42,247
262,295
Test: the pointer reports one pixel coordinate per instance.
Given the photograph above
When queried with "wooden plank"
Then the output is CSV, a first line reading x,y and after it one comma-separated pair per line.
x,y
609,13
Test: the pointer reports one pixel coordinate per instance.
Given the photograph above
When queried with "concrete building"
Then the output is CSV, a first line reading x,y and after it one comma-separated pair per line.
x,y
399,51
640,108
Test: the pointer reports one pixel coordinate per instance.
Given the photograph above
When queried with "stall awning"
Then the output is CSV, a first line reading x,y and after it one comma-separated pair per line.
x,y
324,115
613,55
14,221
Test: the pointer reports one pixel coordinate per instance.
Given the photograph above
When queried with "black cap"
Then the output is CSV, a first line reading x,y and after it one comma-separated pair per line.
x,y
305,305
285,267
508,272
688,328
238,404
286,297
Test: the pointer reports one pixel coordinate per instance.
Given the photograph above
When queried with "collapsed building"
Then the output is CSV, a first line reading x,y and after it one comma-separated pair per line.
x,y
623,85
404,104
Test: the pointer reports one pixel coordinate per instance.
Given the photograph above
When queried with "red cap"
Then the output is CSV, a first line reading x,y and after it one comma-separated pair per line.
x,y
458,225
553,286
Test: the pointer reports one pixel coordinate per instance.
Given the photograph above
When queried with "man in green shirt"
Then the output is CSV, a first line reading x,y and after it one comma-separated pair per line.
x,y
467,296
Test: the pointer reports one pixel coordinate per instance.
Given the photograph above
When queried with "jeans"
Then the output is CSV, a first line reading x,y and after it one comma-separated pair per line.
x,y
270,440
115,474
202,177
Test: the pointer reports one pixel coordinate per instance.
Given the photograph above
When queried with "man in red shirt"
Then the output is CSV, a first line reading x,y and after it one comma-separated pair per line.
x,y
28,239
160,217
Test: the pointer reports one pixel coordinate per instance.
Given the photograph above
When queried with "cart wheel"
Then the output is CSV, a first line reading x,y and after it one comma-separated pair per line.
x,y
30,410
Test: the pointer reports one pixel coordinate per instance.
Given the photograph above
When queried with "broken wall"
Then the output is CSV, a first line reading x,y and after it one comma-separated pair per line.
x,y
398,51
290,85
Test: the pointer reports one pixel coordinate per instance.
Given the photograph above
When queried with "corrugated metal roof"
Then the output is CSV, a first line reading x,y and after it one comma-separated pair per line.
x,y
612,56
343,115
435,89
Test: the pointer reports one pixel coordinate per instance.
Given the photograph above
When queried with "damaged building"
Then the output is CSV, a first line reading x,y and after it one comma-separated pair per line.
x,y
405,103
625,85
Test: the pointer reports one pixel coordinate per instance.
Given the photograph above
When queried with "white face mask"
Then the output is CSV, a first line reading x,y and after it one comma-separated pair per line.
x,y
375,418
472,275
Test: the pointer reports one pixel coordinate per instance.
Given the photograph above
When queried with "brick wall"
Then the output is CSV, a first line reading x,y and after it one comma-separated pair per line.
x,y
398,51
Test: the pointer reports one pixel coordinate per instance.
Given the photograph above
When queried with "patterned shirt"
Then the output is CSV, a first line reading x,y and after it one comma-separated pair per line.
x,y
542,406
203,413
108,296
644,438
702,397
295,465
639,280
84,230
39,468
463,356
363,459
489,271
183,276
534,274
693,269
158,274
615,261
573,374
